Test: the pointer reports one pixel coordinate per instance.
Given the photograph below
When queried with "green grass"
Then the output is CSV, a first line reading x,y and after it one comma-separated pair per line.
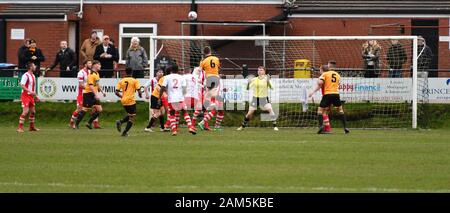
x,y
57,159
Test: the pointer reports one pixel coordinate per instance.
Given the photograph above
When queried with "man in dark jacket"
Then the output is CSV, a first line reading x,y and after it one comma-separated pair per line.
x,y
106,54
22,61
396,57
66,59
35,55
425,56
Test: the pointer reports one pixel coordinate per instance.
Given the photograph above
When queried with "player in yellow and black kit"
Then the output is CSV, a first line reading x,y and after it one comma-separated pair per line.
x,y
90,96
260,86
125,90
329,80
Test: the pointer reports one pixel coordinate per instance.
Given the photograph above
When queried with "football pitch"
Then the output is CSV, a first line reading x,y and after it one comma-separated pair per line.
x,y
59,159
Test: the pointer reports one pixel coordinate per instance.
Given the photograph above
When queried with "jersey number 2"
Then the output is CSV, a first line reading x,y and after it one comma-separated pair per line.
x,y
175,83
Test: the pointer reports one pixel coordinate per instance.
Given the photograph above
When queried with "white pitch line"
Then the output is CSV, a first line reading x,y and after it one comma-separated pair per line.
x,y
277,188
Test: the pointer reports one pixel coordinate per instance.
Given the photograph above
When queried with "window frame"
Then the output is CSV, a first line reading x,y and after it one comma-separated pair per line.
x,y
130,35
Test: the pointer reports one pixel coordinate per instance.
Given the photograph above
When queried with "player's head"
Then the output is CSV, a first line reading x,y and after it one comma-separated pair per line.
x,y
324,68
207,50
173,69
32,43
261,70
96,66
159,73
31,66
129,71
331,64
88,63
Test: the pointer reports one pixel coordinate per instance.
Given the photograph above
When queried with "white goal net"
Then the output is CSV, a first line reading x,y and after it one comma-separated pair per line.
x,y
379,84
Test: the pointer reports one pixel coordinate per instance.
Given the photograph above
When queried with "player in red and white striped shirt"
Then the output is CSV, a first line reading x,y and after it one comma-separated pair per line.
x,y
28,84
82,79
175,87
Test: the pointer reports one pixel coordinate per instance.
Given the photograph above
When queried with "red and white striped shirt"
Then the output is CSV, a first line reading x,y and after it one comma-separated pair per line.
x,y
152,84
82,78
29,81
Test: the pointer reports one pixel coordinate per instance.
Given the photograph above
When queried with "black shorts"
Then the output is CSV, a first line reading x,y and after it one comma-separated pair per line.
x,y
130,109
212,82
154,103
89,100
330,99
257,102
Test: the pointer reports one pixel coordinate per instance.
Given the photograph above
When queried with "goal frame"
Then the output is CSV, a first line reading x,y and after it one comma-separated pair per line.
x,y
154,52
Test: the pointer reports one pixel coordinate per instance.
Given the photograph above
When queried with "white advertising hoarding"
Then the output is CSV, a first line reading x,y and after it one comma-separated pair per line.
x,y
386,90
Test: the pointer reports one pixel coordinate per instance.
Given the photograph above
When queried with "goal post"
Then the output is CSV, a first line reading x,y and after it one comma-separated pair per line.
x,y
373,98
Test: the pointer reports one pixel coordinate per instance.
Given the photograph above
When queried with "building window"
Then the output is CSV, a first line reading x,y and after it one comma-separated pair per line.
x,y
142,31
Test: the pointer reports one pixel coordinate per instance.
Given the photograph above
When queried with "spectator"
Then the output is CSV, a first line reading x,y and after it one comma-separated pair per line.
x,y
116,60
87,49
106,54
22,61
136,58
34,54
66,59
396,57
425,56
371,55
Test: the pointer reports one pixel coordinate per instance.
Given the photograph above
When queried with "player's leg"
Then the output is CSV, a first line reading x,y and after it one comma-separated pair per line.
x,y
209,114
161,120
32,118
343,119
187,118
273,117
326,121
156,113
320,112
131,110
25,110
96,112
247,118
88,102
75,113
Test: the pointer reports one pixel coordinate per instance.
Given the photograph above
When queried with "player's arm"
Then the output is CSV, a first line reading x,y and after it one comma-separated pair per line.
x,y
146,88
118,89
138,89
318,87
28,91
100,90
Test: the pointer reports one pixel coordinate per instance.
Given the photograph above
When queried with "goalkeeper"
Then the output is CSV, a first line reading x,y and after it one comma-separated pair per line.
x,y
260,86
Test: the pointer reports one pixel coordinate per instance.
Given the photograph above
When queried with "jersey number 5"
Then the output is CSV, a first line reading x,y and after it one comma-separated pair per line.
x,y
333,78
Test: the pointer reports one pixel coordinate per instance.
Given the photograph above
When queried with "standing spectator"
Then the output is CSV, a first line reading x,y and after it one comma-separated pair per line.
x,y
371,55
116,59
66,59
106,54
87,49
22,61
396,57
34,54
136,58
425,56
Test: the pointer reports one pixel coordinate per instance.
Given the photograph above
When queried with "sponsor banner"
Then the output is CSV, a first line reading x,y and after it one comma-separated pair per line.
x,y
67,89
10,88
386,90
438,90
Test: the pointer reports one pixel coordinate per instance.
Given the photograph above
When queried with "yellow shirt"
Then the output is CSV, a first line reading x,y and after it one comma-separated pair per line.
x,y
158,88
260,86
128,86
210,65
93,79
330,82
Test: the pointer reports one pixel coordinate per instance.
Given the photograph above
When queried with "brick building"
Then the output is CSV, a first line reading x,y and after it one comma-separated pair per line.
x,y
52,21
